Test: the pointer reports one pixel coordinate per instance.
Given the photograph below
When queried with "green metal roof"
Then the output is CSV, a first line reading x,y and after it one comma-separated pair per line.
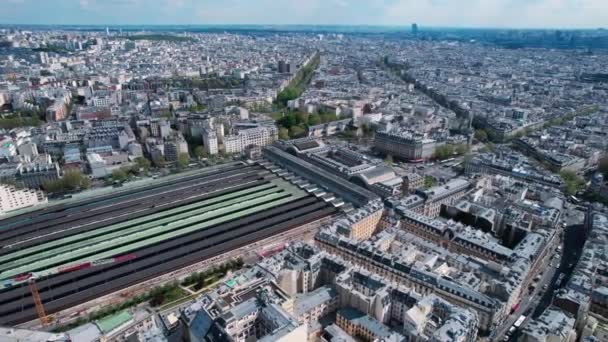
x,y
73,242
128,236
110,323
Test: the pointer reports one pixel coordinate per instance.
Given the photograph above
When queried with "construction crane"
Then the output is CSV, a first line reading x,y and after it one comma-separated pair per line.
x,y
44,319
31,277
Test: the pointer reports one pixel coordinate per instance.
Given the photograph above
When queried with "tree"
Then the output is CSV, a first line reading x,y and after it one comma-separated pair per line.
x,y
288,120
462,149
481,135
199,152
328,117
52,186
283,133
573,182
297,132
314,119
489,147
119,175
200,283
302,118
142,164
289,93
72,180
182,160
491,135
444,151
160,161
429,182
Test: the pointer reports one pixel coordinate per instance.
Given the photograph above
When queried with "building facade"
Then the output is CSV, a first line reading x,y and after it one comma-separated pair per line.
x,y
12,198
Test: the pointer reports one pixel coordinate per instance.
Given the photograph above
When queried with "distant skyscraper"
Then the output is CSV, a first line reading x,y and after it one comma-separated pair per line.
x,y
414,28
284,67
107,31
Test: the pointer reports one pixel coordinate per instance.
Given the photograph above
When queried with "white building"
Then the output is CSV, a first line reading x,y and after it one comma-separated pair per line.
x,y
210,141
243,113
101,102
135,150
160,128
7,148
258,136
97,165
28,151
12,198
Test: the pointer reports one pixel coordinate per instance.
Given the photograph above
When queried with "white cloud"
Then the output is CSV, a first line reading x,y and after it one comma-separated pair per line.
x,y
500,13
471,13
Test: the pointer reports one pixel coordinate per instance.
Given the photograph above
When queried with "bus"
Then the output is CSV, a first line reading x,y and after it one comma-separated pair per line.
x,y
514,328
519,321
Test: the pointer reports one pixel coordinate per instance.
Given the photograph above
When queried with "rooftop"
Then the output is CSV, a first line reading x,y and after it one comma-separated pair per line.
x,y
110,323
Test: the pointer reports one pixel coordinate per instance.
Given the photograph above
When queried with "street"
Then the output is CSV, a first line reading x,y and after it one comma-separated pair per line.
x,y
572,245
573,242
529,300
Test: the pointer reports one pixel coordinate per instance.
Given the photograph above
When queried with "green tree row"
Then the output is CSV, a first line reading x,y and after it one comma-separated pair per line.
x,y
207,83
25,118
71,181
200,279
140,167
157,296
449,151
299,82
294,124
165,294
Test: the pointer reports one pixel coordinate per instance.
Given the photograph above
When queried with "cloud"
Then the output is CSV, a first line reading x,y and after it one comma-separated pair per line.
x,y
467,13
500,13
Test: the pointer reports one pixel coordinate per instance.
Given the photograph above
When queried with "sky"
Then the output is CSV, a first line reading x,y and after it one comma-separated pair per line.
x,y
435,13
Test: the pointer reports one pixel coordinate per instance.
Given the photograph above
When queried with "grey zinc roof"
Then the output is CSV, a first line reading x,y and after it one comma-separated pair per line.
x,y
359,318
306,302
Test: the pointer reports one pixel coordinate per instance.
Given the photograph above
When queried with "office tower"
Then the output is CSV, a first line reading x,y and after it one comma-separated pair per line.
x,y
282,67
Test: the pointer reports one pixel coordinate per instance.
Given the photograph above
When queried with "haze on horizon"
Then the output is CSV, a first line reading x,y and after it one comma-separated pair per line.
x,y
441,13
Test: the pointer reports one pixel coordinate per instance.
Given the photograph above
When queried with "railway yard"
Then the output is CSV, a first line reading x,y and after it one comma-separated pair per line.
x,y
85,249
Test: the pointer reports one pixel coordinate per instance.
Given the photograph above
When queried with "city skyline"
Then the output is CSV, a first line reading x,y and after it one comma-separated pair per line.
x,y
563,14
177,169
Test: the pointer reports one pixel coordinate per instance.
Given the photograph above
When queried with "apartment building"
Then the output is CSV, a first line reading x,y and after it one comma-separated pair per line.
x,y
12,198
257,136
405,146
